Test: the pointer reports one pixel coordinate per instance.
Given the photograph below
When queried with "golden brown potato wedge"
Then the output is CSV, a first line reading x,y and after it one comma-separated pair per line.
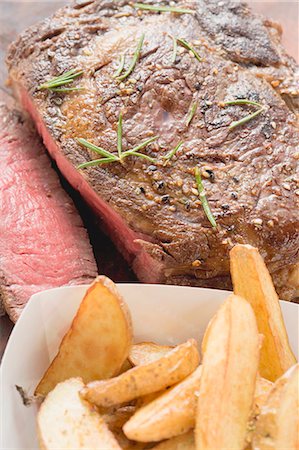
x,y
169,415
228,379
173,412
98,342
147,352
142,380
252,281
277,426
65,421
183,442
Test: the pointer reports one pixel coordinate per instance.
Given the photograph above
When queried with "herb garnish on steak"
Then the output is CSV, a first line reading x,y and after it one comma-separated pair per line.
x,y
155,214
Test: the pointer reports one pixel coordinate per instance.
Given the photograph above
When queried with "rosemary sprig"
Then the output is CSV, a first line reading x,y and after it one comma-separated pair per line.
x,y
120,67
95,162
134,60
101,151
175,49
67,89
247,118
173,9
186,44
203,198
191,113
242,101
172,152
109,157
140,146
66,78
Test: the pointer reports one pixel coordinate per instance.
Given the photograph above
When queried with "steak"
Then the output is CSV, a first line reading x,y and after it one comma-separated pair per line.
x,y
43,243
152,209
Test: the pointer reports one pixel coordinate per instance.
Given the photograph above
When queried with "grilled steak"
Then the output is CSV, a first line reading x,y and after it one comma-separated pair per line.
x,y
152,209
42,240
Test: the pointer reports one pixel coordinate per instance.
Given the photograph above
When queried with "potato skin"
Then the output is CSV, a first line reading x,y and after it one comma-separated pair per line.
x,y
98,341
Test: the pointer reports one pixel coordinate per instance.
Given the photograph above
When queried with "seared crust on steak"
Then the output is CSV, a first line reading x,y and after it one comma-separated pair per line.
x,y
252,183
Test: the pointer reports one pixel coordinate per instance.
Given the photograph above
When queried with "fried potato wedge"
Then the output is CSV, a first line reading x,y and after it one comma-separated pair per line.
x,y
174,411
277,426
169,415
65,421
183,442
147,352
228,379
142,380
252,281
98,342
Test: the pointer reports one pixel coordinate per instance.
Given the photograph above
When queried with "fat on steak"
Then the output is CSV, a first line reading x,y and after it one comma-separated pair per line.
x,y
43,243
152,210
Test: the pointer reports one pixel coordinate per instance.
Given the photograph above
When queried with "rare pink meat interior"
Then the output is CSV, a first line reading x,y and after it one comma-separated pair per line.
x,y
43,243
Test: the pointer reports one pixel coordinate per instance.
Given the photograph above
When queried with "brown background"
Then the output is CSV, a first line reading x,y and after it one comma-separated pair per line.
x,y
15,16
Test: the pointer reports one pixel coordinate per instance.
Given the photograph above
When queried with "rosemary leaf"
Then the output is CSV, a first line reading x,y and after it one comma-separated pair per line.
x,y
203,198
134,60
175,49
120,67
101,151
186,44
191,113
135,150
96,162
242,101
144,144
66,78
245,119
67,89
170,154
146,7
119,134
142,156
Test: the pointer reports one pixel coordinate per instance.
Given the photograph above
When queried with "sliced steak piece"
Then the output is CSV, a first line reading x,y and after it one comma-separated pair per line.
x,y
152,211
43,243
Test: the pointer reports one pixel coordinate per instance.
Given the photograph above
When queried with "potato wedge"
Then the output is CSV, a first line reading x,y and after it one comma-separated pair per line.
x,y
65,421
174,411
183,442
277,426
228,379
142,380
147,352
169,415
252,281
98,342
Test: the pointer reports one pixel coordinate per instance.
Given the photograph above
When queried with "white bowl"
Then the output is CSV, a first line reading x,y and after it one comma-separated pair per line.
x,y
164,314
